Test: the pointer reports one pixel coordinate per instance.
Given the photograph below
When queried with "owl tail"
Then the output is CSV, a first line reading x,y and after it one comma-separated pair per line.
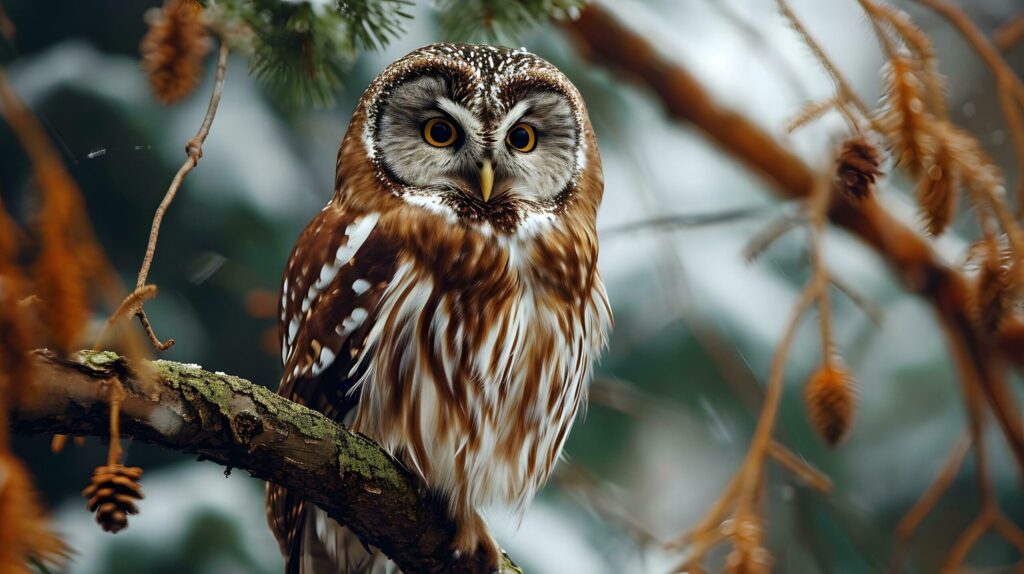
x,y
329,548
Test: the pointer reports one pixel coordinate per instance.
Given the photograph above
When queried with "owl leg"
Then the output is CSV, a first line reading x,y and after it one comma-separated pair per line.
x,y
472,536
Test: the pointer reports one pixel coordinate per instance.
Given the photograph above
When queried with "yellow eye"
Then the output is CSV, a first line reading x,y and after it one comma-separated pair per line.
x,y
522,137
440,132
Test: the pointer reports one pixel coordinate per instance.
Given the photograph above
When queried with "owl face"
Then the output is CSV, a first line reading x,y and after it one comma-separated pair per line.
x,y
480,133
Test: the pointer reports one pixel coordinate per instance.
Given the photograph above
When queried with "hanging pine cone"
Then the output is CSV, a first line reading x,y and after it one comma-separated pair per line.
x,y
112,495
857,167
831,398
173,50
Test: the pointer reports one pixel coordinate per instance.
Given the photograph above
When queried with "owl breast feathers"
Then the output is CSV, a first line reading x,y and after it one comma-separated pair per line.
x,y
446,302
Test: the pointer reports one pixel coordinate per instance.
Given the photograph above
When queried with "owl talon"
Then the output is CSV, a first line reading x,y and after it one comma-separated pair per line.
x,y
471,537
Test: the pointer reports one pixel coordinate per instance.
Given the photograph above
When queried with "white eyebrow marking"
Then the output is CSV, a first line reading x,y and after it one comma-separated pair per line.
x,y
465,117
513,116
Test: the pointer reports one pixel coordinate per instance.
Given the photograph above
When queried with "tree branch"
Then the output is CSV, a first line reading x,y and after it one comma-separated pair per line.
x,y
605,40
238,424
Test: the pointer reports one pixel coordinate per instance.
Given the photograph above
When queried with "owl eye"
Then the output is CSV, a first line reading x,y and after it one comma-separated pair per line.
x,y
522,137
440,132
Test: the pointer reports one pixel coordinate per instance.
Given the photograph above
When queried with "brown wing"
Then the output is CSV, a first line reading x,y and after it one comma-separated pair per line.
x,y
335,277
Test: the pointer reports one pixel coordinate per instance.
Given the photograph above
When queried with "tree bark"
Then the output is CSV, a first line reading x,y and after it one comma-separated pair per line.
x,y
241,425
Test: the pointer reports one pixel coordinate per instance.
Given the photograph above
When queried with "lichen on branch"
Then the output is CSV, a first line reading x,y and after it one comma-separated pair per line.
x,y
238,424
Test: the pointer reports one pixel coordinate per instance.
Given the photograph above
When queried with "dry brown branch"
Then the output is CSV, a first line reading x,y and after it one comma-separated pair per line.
x,y
580,482
883,18
131,305
761,45
750,473
971,367
912,519
742,493
605,40
7,27
1009,34
240,425
873,311
683,221
924,505
800,468
768,235
845,95
1010,86
810,112
194,151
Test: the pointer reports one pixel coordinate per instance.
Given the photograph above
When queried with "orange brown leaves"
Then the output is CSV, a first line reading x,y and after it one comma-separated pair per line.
x,y
937,191
24,534
902,118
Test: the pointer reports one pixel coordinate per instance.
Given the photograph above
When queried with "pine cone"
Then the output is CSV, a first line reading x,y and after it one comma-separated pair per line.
x,y
112,495
857,167
831,398
173,50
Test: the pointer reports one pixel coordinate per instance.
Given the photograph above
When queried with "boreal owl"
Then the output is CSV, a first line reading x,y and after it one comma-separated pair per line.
x,y
446,302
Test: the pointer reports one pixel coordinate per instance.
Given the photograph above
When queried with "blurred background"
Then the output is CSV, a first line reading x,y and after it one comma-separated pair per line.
x,y
696,325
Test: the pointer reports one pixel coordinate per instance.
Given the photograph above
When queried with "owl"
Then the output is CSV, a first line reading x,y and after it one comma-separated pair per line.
x,y
446,302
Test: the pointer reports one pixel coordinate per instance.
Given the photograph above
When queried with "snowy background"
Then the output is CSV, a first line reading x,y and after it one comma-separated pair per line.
x,y
693,318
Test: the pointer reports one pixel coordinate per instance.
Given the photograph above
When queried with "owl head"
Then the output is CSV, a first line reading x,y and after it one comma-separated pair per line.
x,y
482,134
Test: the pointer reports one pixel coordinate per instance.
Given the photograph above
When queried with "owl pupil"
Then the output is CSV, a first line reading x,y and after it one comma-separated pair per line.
x,y
440,132
519,138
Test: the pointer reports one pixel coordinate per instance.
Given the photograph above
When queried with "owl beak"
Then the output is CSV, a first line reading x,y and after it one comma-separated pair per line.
x,y
486,180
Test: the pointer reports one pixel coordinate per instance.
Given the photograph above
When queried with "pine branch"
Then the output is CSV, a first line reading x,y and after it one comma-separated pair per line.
x,y
301,49
496,21
237,424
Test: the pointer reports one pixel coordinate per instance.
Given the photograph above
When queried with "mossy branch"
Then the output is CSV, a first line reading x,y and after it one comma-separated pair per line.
x,y
241,425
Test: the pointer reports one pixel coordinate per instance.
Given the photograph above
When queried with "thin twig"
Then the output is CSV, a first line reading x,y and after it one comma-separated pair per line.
x,y
1008,83
812,111
761,45
873,310
116,395
899,22
924,505
148,327
743,491
775,229
577,480
753,464
194,149
1007,35
1009,531
910,522
7,26
967,539
818,209
846,93
686,220
798,466
131,304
